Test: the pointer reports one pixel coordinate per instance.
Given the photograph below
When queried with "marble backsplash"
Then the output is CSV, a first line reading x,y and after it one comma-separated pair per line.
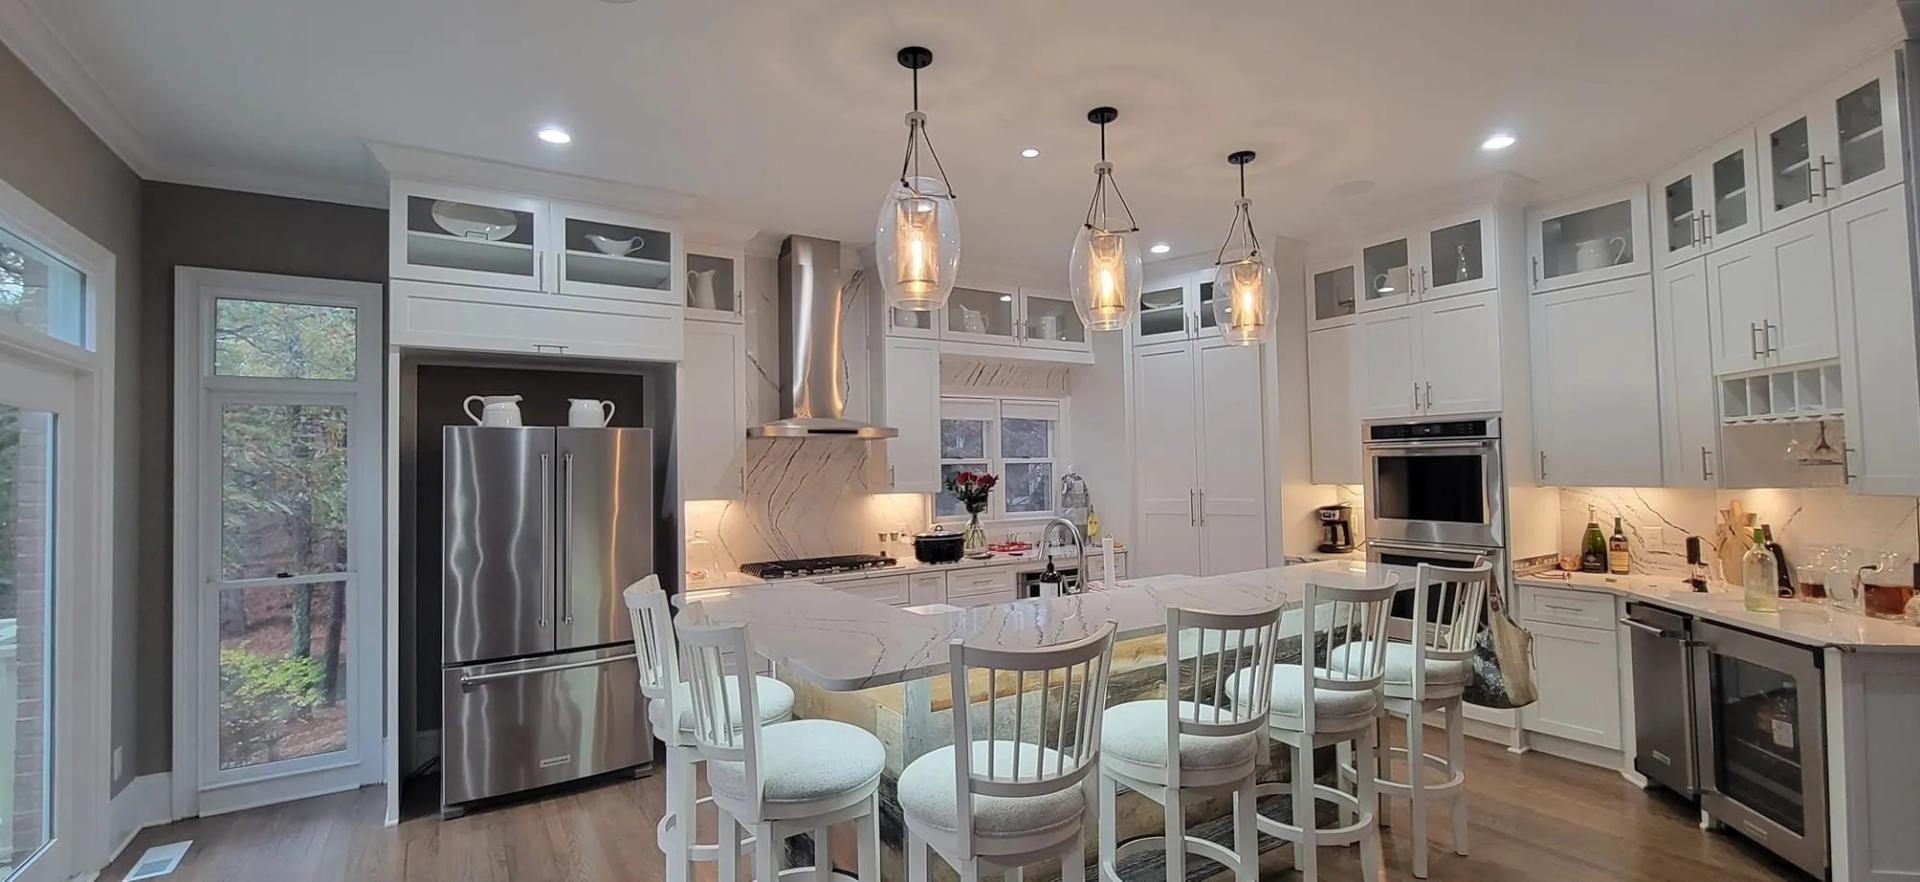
x,y
805,498
1658,520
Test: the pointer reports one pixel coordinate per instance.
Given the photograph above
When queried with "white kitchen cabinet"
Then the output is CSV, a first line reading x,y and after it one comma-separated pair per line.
x,y
924,588
886,589
1838,144
712,405
1688,411
1711,201
1435,357
1178,309
1880,377
464,236
1021,323
910,402
1458,255
1333,419
1460,354
1772,299
1596,385
436,316
1232,473
1578,671
1333,294
981,315
1389,272
981,587
608,254
1166,446
1388,356
716,283
1048,320
923,323
1592,239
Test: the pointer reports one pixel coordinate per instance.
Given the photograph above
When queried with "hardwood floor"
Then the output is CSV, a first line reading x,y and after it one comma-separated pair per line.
x,y
1534,817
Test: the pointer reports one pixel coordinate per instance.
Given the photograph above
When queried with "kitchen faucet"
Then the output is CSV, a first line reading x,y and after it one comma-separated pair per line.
x,y
1079,543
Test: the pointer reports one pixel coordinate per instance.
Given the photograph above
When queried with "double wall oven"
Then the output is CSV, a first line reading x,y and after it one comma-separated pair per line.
x,y
1435,493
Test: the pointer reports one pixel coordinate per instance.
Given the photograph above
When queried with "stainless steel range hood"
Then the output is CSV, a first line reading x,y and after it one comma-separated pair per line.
x,y
812,364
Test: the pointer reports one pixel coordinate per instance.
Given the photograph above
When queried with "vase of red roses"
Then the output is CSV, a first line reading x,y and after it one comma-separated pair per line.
x,y
972,489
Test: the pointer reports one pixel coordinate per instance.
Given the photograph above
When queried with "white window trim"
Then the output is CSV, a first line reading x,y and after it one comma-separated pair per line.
x,y
995,410
195,490
83,620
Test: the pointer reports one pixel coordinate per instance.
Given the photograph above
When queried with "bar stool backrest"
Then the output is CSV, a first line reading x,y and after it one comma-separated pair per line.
x,y
1343,641
726,727
1459,595
653,640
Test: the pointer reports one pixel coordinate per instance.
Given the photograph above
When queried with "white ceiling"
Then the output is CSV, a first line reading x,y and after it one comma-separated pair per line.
x,y
786,114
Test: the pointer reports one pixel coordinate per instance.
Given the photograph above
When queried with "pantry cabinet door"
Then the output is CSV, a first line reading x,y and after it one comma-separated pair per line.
x,y
1743,297
1332,413
1165,459
1802,258
713,411
1596,385
1691,412
1460,354
1878,380
1233,482
1387,360
912,400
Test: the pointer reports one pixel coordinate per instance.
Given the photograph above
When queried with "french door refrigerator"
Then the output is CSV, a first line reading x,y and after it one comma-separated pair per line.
x,y
541,529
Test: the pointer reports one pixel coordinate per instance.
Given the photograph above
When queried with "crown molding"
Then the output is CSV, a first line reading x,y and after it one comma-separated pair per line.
x,y
29,36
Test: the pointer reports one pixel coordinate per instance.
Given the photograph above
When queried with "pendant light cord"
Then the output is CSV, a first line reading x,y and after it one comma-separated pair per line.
x,y
1099,202
1240,212
917,134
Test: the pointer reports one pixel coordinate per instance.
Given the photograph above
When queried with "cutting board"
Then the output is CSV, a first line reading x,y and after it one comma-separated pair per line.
x,y
1732,539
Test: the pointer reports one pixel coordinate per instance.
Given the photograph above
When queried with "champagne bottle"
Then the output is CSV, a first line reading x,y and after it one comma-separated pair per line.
x,y
1619,557
1759,576
1593,546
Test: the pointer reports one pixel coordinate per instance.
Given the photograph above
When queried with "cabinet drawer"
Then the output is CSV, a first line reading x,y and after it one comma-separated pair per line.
x,y
886,589
926,588
979,582
1581,609
454,317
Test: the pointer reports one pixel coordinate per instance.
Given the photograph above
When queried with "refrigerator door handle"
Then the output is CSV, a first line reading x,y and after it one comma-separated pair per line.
x,y
546,530
566,538
478,679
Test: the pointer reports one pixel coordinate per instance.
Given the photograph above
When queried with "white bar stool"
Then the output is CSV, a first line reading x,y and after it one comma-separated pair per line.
x,y
1219,742
1006,801
671,713
782,779
1430,673
1343,653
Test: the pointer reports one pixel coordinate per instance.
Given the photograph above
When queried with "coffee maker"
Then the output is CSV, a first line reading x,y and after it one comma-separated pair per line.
x,y
1336,528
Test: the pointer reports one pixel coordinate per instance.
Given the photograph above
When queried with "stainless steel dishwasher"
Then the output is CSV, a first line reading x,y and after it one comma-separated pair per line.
x,y
1665,746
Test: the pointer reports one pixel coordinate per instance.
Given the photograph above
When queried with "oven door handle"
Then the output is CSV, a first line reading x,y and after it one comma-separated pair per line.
x,y
1423,446
1425,551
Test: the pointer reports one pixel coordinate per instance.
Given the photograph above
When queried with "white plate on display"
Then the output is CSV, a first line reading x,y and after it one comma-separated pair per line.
x,y
474,221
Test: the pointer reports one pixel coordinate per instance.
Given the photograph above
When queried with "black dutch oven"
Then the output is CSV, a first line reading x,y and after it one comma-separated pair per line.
x,y
938,546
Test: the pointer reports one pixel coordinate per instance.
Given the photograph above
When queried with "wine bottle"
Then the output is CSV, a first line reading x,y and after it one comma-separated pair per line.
x,y
1780,562
1593,546
1619,557
1051,583
1759,576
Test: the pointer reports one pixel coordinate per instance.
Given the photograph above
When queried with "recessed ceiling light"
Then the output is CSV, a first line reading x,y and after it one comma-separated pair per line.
x,y
1160,248
1030,152
1497,141
555,135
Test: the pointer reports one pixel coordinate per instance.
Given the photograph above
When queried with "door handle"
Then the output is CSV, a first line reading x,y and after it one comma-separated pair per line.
x,y
1753,339
477,679
1826,183
546,526
1846,462
1643,626
1429,394
891,481
1694,223
1536,270
1416,395
1768,329
1706,472
1193,520
566,536
1543,465
1202,508
1706,227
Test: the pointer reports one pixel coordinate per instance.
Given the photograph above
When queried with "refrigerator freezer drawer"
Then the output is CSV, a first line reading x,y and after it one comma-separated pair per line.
x,y
517,725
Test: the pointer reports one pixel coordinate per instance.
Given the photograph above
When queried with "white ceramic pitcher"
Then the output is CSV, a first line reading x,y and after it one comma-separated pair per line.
x,y
589,413
700,292
495,410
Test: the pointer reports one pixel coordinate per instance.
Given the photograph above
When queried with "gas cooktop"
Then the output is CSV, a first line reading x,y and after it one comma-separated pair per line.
x,y
816,566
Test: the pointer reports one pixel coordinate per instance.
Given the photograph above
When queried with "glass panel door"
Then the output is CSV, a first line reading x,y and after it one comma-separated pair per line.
x,y
913,322
1206,306
605,256
1587,244
28,503
1863,141
1386,277
1757,740
1679,218
1163,314
712,286
1789,165
976,314
473,240
1458,258
1049,320
1333,293
1731,218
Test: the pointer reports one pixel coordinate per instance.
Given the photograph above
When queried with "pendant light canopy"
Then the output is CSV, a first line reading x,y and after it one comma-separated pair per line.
x,y
1104,271
917,239
1244,286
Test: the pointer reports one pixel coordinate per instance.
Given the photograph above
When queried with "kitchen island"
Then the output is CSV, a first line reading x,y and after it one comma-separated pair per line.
x,y
884,668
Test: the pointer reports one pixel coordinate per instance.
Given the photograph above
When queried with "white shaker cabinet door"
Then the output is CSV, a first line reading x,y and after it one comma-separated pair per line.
x,y
1802,258
1878,370
1460,355
1579,671
912,399
713,411
1233,484
1331,410
1743,298
1693,417
1596,385
1388,358
1165,457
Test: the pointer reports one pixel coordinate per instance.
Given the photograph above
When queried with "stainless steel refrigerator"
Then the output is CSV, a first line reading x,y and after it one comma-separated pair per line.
x,y
541,529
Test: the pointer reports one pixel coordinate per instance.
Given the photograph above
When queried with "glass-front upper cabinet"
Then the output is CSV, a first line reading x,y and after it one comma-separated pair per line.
x,y
1048,320
1387,274
1840,144
913,322
1457,257
981,316
716,290
1335,289
1707,203
1164,314
1599,237
467,237
618,256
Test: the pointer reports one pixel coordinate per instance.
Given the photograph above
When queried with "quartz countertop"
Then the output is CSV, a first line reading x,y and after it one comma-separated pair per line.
x,y
1062,556
842,642
1803,622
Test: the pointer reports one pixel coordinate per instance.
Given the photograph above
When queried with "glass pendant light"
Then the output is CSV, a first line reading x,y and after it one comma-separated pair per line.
x,y
1104,271
1244,286
917,239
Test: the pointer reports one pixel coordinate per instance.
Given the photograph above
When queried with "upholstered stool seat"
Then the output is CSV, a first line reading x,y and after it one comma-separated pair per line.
x,y
774,698
1136,732
1334,710
927,793
805,761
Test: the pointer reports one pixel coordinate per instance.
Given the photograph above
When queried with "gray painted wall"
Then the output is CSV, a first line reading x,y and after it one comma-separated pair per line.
x,y
223,229
49,154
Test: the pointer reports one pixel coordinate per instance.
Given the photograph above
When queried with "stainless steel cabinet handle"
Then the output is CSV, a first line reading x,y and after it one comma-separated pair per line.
x,y
1772,347
1693,223
1706,472
1536,270
891,482
1643,626
477,679
540,270
546,527
1826,182
1846,461
1193,519
1416,394
1203,508
1706,227
566,536
1425,285
1753,339
1543,465
1429,394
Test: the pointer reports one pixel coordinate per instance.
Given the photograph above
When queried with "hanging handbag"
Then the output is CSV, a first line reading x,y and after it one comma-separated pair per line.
x,y
1502,661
